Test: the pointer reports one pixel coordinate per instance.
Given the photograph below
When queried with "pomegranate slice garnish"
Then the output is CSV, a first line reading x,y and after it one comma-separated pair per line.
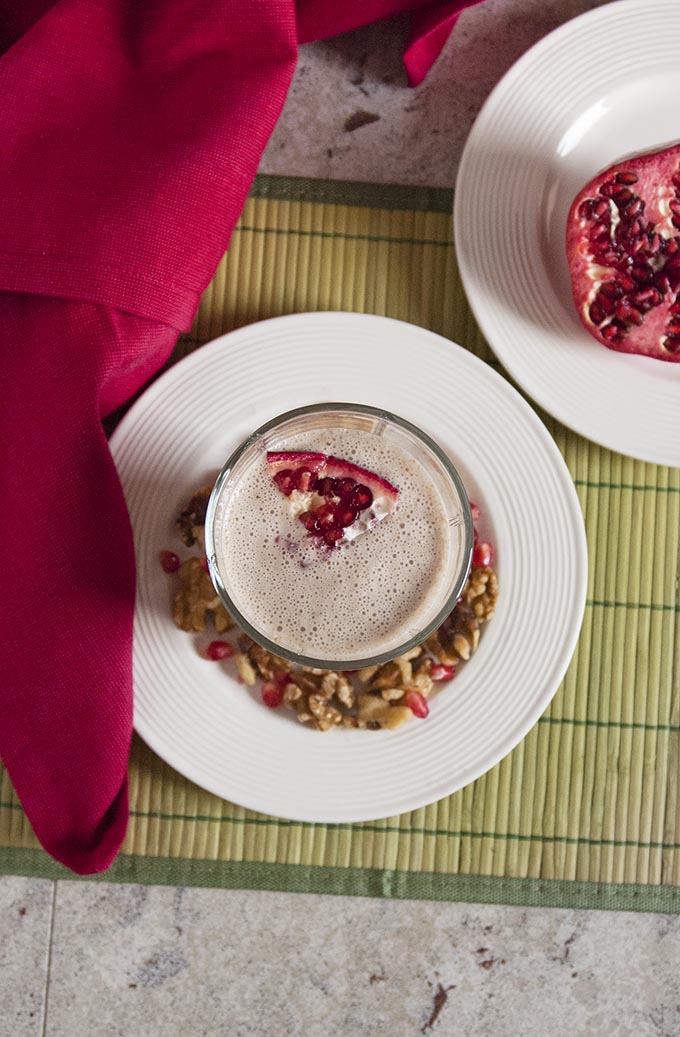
x,y
482,556
170,562
623,246
333,498
417,703
219,650
441,672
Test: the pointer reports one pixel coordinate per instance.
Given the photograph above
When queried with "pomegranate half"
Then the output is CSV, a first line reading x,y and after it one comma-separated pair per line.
x,y
623,247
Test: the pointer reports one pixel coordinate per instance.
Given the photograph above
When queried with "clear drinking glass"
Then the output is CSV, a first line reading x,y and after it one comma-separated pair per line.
x,y
313,420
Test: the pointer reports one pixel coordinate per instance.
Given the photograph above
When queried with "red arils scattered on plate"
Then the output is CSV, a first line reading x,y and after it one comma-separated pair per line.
x,y
476,511
417,703
219,650
442,672
482,556
170,562
272,694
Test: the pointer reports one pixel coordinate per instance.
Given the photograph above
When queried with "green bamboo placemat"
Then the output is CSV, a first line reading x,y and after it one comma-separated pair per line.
x,y
585,812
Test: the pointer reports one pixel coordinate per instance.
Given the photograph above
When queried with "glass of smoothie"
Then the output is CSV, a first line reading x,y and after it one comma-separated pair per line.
x,y
339,536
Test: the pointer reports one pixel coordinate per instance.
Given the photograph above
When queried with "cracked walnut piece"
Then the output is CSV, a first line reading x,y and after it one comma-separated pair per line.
x,y
196,599
481,593
191,523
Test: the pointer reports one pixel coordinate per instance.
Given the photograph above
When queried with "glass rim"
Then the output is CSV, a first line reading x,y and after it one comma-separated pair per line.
x,y
308,660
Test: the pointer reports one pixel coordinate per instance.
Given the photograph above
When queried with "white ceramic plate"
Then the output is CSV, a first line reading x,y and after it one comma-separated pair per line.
x,y
196,716
600,87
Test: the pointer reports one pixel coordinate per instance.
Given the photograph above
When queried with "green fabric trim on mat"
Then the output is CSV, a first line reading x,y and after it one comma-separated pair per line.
x,y
353,192
364,882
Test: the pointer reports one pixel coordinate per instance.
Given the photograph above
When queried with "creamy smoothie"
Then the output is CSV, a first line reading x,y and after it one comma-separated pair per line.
x,y
369,593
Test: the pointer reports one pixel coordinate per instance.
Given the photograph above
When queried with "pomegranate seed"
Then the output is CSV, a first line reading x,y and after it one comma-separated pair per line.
x,y
204,565
417,703
303,479
476,511
675,307
482,554
361,498
346,487
309,521
272,694
325,486
345,516
325,516
219,650
623,196
613,332
169,561
610,290
440,672
596,313
636,208
332,535
646,299
284,481
600,208
585,209
626,177
625,312
672,343
608,188
599,232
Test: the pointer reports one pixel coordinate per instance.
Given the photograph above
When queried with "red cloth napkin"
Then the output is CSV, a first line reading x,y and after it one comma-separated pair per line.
x,y
131,132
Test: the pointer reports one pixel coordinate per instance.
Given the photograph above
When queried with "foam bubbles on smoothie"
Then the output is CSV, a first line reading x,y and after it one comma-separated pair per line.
x,y
361,599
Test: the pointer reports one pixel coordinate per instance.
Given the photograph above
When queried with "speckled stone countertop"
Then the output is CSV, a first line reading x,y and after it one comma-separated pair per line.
x,y
80,958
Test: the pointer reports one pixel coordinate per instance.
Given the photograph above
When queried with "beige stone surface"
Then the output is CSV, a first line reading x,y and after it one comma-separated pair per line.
x,y
142,961
415,136
25,918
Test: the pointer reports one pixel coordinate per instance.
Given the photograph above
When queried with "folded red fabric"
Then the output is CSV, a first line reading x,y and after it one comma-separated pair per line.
x,y
131,133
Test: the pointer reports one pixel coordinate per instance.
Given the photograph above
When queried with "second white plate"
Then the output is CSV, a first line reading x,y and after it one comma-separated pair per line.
x,y
602,86
196,716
